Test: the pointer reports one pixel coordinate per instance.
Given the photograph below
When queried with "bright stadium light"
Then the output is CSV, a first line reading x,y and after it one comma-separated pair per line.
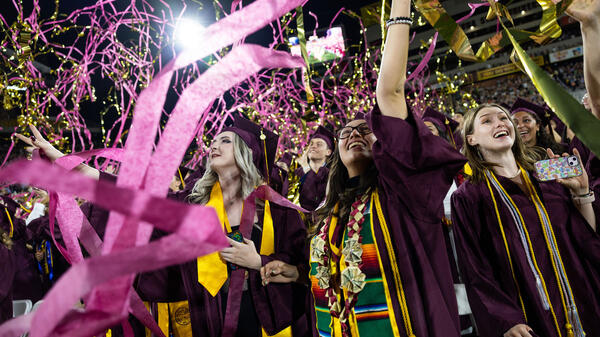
x,y
187,33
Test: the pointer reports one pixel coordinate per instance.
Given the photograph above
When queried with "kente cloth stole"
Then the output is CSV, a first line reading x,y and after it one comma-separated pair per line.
x,y
212,270
373,313
573,323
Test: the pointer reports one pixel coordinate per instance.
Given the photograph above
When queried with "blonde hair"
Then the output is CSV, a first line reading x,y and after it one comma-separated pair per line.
x,y
524,156
250,175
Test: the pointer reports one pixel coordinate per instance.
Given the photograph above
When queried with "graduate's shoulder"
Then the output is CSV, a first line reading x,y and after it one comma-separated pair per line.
x,y
468,191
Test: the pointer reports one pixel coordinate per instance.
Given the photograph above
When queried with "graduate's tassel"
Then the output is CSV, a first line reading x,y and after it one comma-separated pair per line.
x,y
569,328
574,328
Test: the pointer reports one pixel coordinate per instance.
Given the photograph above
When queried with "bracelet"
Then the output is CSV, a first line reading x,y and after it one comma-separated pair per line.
x,y
405,20
580,200
585,195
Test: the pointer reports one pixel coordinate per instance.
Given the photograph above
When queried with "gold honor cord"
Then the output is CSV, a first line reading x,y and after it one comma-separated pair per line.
x,y
458,41
302,41
571,112
12,227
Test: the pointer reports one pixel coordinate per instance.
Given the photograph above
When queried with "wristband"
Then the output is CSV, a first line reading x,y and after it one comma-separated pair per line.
x,y
580,200
405,20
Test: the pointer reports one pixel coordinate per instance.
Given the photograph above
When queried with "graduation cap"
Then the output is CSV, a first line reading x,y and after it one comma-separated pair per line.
x,y
358,115
439,119
524,105
324,134
262,143
286,158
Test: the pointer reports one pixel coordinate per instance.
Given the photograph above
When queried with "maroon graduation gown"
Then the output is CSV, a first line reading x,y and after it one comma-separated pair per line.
x,y
276,305
313,186
28,284
486,270
7,276
416,170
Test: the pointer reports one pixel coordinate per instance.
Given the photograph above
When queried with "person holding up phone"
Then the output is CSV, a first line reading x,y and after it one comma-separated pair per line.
x,y
528,248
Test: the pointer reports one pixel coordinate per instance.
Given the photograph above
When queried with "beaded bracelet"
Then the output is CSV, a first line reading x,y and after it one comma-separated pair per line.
x,y
405,20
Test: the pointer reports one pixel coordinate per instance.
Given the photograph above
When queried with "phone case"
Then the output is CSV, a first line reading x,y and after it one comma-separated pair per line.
x,y
235,235
555,168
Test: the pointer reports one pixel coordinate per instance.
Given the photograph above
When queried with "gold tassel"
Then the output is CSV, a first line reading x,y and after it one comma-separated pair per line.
x,y
569,328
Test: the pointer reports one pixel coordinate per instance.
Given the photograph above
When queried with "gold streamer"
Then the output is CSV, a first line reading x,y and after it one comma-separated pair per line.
x,y
310,98
458,41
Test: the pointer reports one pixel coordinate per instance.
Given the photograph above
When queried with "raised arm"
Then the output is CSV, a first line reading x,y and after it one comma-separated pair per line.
x,y
40,143
587,12
392,73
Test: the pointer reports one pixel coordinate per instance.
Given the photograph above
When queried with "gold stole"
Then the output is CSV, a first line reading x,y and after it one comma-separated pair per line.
x,y
212,270
174,317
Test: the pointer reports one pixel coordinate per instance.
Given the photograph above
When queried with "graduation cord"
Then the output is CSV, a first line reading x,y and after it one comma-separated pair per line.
x,y
525,240
512,269
12,227
181,178
527,246
573,325
397,279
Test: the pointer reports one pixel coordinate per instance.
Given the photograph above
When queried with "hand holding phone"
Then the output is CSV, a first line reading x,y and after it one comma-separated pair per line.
x,y
558,168
577,184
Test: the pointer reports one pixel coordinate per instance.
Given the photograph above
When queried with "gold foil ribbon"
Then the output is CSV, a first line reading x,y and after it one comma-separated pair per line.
x,y
458,41
310,98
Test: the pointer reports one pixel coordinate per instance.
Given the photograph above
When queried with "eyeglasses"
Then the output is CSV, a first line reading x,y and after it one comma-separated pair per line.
x,y
363,129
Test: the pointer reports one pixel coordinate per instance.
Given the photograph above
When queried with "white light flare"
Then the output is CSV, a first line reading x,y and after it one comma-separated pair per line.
x,y
188,33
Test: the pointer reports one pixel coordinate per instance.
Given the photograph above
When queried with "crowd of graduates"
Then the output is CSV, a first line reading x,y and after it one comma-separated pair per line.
x,y
411,224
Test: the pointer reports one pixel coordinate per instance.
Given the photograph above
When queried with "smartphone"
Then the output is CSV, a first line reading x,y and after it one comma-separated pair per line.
x,y
235,235
555,168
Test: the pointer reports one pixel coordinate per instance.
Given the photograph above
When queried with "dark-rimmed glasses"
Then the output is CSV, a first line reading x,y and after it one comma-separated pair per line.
x,y
346,131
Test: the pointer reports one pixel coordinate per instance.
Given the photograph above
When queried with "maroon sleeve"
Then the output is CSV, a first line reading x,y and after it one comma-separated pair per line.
x,y
280,305
413,163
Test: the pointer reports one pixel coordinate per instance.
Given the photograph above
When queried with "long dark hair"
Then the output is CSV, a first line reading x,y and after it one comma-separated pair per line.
x,y
339,191
544,139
